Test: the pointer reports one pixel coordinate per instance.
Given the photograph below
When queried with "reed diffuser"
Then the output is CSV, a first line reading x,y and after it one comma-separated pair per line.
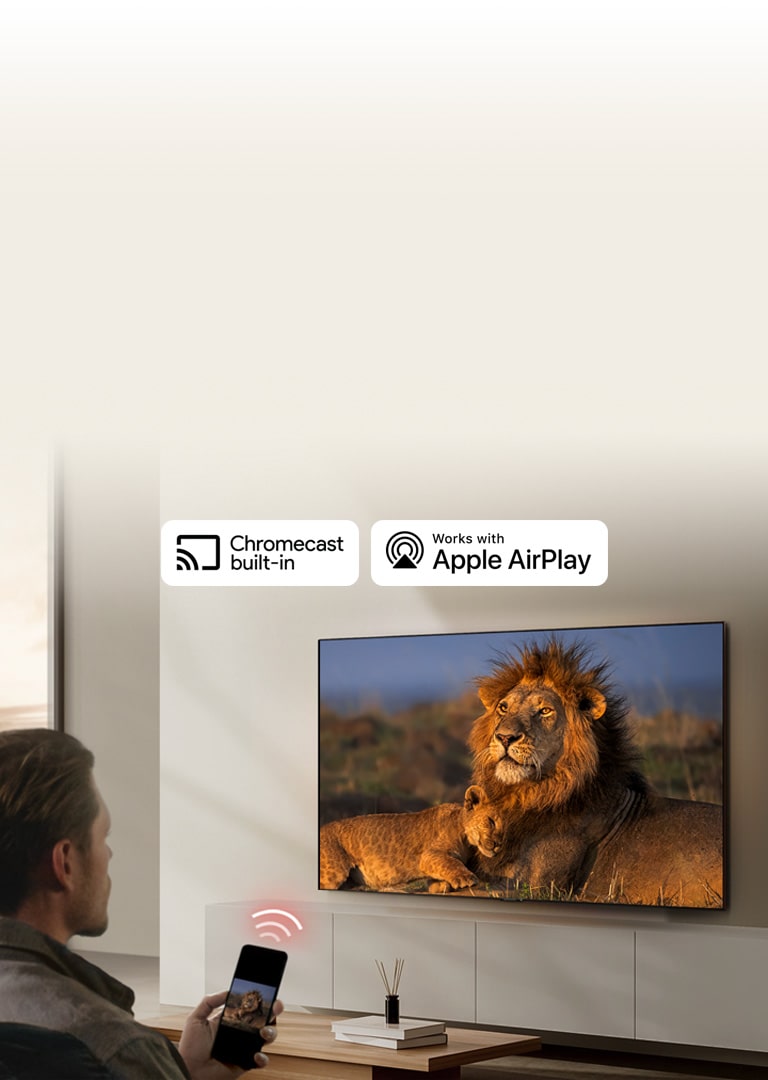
x,y
392,1000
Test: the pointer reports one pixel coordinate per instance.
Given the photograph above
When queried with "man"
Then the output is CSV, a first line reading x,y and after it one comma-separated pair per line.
x,y
54,883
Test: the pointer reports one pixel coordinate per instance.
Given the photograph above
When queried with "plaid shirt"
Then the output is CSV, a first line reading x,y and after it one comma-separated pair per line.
x,y
44,983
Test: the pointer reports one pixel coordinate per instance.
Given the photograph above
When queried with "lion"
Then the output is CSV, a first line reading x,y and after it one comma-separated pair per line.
x,y
580,821
388,850
249,1011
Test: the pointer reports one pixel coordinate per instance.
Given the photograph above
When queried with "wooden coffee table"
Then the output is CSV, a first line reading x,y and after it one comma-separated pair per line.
x,y
306,1049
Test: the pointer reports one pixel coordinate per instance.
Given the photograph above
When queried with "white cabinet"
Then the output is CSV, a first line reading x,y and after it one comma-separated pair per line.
x,y
676,983
556,978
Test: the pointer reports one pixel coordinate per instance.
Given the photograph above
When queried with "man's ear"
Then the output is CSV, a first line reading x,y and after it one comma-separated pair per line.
x,y
62,863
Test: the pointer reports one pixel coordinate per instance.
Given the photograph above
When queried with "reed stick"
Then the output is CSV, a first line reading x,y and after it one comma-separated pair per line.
x,y
393,987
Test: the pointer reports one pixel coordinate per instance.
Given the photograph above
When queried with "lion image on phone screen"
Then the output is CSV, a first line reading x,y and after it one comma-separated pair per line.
x,y
247,1012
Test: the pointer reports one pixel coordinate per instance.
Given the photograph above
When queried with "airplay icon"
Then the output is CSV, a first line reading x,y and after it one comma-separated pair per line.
x,y
404,550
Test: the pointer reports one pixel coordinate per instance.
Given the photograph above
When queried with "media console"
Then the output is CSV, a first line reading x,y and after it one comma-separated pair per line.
x,y
685,985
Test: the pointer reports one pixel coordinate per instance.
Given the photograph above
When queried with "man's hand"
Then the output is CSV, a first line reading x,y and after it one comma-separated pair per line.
x,y
197,1040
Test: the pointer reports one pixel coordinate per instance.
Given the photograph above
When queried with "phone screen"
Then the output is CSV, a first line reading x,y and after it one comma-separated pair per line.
x,y
249,1005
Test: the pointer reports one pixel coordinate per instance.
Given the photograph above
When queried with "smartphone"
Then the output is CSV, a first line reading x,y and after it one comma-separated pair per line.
x,y
249,1005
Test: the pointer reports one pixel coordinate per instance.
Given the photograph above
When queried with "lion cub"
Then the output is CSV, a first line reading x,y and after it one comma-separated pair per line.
x,y
392,849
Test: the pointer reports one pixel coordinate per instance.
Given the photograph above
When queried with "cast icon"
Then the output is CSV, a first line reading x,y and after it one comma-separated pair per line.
x,y
198,551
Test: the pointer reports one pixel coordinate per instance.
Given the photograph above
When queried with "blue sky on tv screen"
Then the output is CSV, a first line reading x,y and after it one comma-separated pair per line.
x,y
678,666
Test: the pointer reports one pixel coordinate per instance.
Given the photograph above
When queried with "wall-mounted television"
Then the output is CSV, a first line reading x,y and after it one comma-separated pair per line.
x,y
572,765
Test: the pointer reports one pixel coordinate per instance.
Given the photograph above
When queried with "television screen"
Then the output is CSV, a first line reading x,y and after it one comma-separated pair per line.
x,y
577,765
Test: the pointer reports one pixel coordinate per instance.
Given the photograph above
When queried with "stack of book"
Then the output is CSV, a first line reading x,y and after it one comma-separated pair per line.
x,y
374,1031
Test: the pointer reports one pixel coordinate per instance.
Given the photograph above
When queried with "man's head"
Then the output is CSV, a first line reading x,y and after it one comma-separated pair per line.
x,y
53,829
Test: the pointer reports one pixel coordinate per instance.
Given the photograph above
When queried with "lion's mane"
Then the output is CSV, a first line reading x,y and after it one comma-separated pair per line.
x,y
598,753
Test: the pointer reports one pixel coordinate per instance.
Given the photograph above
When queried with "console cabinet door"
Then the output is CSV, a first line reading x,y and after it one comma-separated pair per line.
x,y
559,979
703,988
304,931
438,980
